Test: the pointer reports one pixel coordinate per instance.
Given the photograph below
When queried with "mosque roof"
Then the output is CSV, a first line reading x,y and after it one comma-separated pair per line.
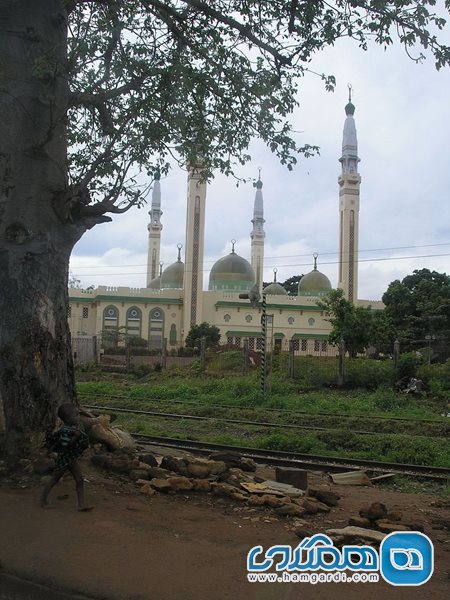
x,y
231,273
314,283
173,276
275,288
155,284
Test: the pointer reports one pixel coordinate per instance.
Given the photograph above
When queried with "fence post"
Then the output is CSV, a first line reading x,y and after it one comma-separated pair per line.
x,y
396,353
262,372
164,354
95,349
202,353
127,356
245,357
341,374
291,360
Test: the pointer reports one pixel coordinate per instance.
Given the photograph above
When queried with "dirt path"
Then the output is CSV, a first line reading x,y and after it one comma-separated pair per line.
x,y
132,547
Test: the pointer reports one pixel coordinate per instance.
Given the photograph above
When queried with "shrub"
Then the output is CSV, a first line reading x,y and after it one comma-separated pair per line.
x,y
407,365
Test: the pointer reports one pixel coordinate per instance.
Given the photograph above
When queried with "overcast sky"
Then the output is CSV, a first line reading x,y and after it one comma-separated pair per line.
x,y
403,124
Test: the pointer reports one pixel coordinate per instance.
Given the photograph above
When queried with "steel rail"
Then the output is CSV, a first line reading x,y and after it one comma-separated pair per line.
x,y
165,415
277,410
298,460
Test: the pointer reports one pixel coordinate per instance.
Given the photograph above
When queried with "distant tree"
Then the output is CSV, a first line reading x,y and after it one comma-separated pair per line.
x,y
210,332
359,327
74,282
419,306
113,336
291,285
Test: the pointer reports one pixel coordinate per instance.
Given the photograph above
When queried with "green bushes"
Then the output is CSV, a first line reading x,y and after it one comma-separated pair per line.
x,y
367,373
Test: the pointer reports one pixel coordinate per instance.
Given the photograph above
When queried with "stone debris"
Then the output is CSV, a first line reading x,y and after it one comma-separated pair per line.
x,y
351,478
375,511
99,430
234,459
295,477
376,516
161,485
217,474
360,522
387,527
325,496
180,483
350,533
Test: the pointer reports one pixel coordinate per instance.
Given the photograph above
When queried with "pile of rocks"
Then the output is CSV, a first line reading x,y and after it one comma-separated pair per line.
x,y
371,525
226,474
377,516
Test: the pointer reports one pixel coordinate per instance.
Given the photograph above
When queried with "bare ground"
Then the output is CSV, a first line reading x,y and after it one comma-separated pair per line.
x,y
179,547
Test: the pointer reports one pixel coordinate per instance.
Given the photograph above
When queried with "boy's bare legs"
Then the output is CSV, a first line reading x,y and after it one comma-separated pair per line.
x,y
75,469
48,486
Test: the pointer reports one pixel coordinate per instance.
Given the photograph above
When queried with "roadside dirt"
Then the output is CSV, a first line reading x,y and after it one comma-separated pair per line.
x,y
184,546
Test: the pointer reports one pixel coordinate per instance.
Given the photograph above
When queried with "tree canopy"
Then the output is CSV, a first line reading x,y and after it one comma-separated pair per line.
x,y
357,326
419,306
150,80
197,332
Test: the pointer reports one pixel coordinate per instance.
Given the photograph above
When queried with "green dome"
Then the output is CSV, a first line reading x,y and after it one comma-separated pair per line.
x,y
155,284
172,277
231,273
275,289
314,283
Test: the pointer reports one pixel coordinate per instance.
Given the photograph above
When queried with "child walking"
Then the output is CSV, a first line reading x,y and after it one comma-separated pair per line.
x,y
69,442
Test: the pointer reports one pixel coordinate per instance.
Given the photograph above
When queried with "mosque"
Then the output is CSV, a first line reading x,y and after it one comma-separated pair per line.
x,y
174,299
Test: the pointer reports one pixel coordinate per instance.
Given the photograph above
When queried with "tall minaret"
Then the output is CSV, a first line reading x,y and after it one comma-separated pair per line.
x,y
257,235
195,243
349,183
154,231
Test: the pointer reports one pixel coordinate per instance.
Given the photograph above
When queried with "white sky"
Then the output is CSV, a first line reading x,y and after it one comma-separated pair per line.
x,y
403,124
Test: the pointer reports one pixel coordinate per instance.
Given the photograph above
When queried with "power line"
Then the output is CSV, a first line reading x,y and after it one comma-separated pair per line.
x,y
291,256
372,260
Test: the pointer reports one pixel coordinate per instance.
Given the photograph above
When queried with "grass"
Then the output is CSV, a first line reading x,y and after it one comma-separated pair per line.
x,y
218,397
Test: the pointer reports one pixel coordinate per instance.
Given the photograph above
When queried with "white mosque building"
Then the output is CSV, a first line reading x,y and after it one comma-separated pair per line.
x,y
174,299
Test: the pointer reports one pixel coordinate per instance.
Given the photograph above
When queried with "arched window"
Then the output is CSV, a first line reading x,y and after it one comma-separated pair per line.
x,y
110,327
156,329
173,335
134,321
110,317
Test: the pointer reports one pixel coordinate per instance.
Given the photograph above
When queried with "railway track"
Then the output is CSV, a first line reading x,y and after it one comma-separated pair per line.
x,y
265,409
301,461
246,422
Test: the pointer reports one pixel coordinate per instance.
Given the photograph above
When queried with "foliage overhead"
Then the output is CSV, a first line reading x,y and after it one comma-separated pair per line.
x,y
153,80
419,306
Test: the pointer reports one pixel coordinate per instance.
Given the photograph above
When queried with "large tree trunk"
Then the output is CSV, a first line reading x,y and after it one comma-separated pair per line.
x,y
36,238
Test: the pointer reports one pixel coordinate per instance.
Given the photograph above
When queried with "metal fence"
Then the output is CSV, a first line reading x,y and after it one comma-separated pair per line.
x,y
307,361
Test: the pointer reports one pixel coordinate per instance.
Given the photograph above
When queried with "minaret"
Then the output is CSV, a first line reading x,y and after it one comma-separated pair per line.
x,y
349,184
154,231
257,235
195,242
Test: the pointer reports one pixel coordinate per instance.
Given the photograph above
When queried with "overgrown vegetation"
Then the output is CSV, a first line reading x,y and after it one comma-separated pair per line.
x,y
328,421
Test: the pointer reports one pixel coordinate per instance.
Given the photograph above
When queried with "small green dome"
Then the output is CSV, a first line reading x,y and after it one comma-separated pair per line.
x,y
155,284
172,277
275,289
231,273
314,283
